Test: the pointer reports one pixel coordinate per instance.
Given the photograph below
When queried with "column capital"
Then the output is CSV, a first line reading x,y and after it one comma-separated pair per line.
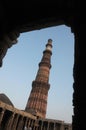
x,y
7,40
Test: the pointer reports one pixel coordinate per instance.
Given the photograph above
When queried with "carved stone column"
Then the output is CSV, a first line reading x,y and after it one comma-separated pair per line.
x,y
79,73
47,125
10,122
32,123
54,125
20,123
28,123
1,116
41,125
62,126
15,122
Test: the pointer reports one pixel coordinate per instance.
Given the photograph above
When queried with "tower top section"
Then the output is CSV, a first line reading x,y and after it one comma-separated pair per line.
x,y
49,45
50,41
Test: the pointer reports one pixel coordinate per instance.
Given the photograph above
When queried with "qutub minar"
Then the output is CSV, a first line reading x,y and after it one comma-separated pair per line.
x,y
37,101
34,114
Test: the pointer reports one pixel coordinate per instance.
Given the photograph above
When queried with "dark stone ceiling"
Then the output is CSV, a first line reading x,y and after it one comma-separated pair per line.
x,y
27,16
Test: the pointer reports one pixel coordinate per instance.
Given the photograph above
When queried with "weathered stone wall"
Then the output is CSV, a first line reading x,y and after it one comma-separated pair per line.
x,y
14,119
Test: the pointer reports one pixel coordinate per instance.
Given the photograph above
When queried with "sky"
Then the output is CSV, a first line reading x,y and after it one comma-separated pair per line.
x,y
20,66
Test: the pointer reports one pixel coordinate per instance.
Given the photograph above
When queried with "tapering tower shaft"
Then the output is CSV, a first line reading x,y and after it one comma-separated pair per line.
x,y
37,101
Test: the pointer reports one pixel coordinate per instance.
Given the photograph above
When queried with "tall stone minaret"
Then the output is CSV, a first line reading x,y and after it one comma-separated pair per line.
x,y
37,102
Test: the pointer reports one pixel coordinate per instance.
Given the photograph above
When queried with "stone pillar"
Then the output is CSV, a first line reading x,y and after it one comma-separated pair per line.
x,y
32,123
10,122
20,123
62,126
41,125
70,127
54,126
79,72
48,126
36,128
28,122
15,122
1,116
44,128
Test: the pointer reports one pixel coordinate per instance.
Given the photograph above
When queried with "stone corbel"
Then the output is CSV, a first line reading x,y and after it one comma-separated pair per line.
x,y
7,41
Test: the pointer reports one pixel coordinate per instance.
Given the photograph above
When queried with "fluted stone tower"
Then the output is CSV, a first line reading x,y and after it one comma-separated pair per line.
x,y
37,102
